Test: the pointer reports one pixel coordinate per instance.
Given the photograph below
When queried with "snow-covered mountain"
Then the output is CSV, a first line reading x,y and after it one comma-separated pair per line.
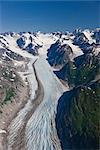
x,y
78,42
61,71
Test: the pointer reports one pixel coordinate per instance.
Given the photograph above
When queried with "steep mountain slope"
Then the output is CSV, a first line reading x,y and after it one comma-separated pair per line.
x,y
77,119
62,51
78,41
83,70
74,52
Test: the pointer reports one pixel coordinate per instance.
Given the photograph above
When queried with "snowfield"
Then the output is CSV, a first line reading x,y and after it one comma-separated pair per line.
x,y
88,35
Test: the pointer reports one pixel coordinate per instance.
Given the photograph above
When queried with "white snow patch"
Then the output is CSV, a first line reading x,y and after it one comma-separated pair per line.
x,y
2,131
88,35
96,51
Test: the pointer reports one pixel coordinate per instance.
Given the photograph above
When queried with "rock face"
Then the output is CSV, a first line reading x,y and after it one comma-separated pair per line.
x,y
59,54
30,46
21,42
